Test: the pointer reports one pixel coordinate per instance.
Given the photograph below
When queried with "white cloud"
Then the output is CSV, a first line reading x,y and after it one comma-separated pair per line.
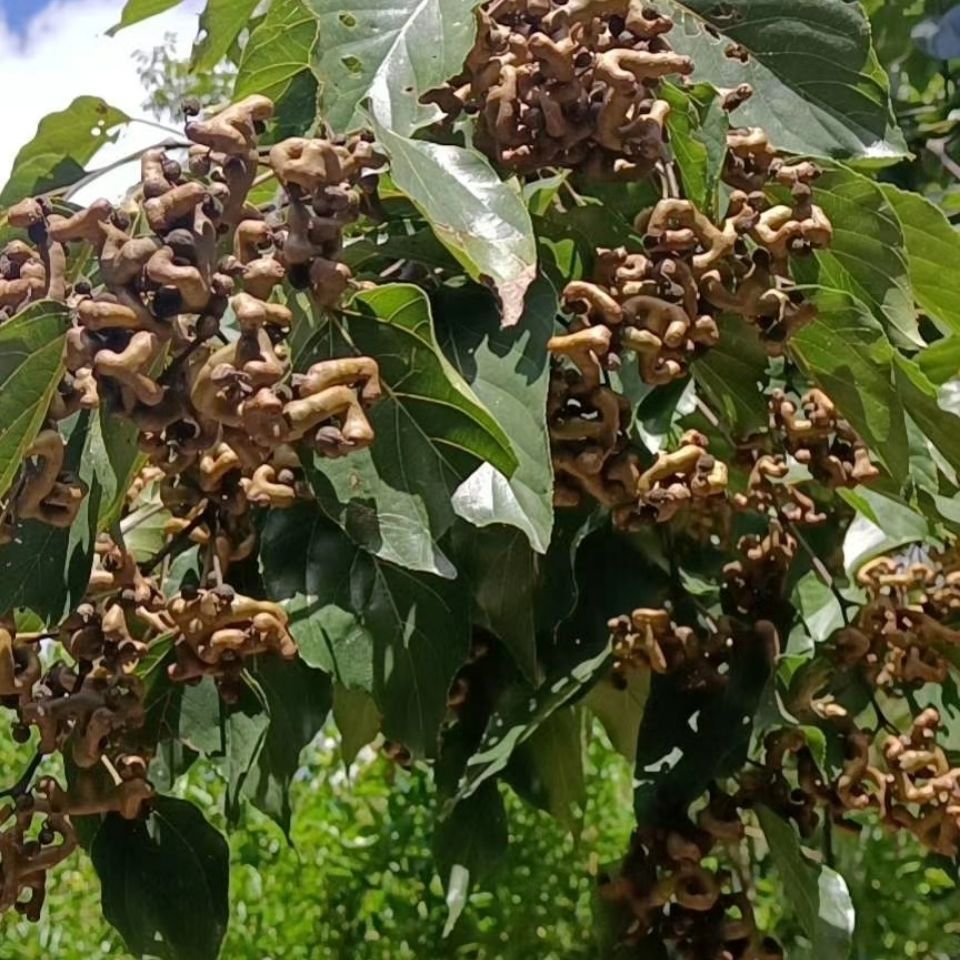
x,y
64,53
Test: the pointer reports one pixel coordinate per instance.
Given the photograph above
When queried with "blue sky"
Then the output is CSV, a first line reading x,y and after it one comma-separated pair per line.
x,y
18,12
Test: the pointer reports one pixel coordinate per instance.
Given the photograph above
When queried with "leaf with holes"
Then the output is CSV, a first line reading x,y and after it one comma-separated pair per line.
x,y
432,432
481,220
388,54
398,634
61,148
818,87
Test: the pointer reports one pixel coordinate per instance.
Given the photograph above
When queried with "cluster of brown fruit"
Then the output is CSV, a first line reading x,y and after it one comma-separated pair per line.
x,y
665,304
669,890
219,419
568,84
216,413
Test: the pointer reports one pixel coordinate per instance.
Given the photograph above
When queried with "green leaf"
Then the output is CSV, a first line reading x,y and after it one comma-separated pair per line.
x,y
819,607
200,717
698,139
867,256
395,633
394,499
520,715
547,769
220,24
31,351
136,10
276,64
470,843
358,720
919,398
503,573
245,729
509,370
388,53
883,523
817,893
114,452
164,881
846,353
933,251
481,220
689,737
298,699
732,375
62,146
941,360
826,95
46,568
621,711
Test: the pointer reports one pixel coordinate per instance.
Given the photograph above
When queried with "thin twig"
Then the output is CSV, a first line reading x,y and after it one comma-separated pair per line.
x,y
23,784
94,175
174,546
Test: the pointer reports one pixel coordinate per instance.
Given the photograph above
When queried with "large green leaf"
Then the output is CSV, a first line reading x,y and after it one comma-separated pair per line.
x,y
164,881
698,126
61,148
519,716
732,375
389,53
395,633
818,894
220,24
31,349
882,524
509,370
470,842
621,710
276,63
547,769
866,257
919,398
933,252
482,220
846,353
298,699
432,431
114,453
503,572
358,719
136,10
818,87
